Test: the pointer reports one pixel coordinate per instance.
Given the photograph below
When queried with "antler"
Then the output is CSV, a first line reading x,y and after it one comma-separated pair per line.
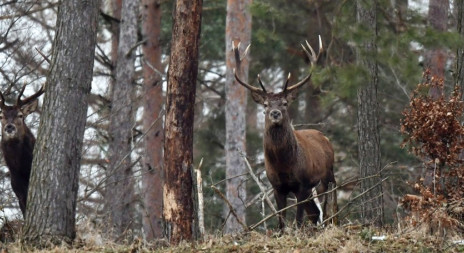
x,y
2,104
238,61
313,58
27,100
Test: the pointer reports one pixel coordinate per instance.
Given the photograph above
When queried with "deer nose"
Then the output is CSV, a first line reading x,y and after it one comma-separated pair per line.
x,y
275,114
10,128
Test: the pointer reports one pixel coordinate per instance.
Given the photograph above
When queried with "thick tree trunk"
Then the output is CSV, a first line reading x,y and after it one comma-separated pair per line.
x,y
119,195
178,144
55,168
238,29
368,129
152,179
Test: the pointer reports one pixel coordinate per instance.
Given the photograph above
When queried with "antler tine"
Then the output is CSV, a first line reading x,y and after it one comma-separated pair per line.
x,y
31,98
2,104
313,57
261,83
286,82
297,85
18,101
238,61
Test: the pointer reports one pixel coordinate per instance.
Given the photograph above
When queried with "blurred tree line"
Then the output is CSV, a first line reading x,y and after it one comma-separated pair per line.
x,y
328,103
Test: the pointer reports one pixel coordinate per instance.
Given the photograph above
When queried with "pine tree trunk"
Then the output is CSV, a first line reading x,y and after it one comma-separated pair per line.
x,y
152,179
119,195
368,129
459,70
54,179
238,29
180,99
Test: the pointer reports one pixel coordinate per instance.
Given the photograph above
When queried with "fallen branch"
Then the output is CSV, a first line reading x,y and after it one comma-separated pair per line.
x,y
231,208
318,195
260,185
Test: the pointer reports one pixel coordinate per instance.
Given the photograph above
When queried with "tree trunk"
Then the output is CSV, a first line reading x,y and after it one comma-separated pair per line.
x,y
459,70
238,29
436,57
152,180
368,129
178,144
119,195
55,168
436,61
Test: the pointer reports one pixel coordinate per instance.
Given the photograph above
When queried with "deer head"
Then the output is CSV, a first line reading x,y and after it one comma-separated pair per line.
x,y
12,117
276,104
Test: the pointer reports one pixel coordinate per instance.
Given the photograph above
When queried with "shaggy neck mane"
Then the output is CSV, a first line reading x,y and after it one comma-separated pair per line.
x,y
280,144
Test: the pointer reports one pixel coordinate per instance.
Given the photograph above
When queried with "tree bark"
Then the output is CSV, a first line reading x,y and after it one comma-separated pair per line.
x,y
459,68
368,129
119,195
55,168
436,57
178,144
152,180
238,29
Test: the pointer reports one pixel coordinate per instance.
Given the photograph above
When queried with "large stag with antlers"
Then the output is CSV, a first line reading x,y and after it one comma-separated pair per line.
x,y
18,142
296,161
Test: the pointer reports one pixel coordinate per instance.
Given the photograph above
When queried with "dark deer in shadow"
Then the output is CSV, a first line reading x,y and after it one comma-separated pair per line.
x,y
18,142
296,161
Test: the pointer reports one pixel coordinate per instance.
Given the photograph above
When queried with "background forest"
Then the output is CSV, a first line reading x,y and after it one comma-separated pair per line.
x,y
121,176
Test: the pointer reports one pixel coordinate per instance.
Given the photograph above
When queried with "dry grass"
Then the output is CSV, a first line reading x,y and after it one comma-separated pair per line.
x,y
333,239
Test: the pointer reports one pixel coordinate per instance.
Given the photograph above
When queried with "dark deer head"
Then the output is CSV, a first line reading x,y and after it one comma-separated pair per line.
x,y
275,104
12,116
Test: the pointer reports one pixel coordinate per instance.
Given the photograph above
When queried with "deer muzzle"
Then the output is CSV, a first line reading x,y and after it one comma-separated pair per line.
x,y
275,116
10,130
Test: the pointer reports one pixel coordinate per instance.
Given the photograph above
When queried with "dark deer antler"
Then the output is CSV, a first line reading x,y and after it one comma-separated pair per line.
x,y
313,58
238,61
20,102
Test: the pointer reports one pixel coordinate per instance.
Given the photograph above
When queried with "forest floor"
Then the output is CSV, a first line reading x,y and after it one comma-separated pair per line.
x,y
333,239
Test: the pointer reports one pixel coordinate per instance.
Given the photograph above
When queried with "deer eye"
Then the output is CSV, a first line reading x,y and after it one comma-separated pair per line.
x,y
20,116
284,103
265,105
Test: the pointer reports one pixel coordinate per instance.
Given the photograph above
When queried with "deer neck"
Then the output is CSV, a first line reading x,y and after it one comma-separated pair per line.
x,y
280,145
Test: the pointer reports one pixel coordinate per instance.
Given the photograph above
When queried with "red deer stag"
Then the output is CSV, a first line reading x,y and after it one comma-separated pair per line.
x,y
18,142
296,161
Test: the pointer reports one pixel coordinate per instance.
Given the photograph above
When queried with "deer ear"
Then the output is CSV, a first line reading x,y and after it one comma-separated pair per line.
x,y
291,95
258,97
30,107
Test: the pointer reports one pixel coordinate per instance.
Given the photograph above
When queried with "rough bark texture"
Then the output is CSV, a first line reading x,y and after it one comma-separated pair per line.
x,y
55,168
459,70
238,29
152,180
178,157
436,57
368,129
119,195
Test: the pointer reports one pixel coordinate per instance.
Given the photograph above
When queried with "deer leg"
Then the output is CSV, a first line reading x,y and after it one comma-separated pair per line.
x,y
21,193
311,208
281,200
